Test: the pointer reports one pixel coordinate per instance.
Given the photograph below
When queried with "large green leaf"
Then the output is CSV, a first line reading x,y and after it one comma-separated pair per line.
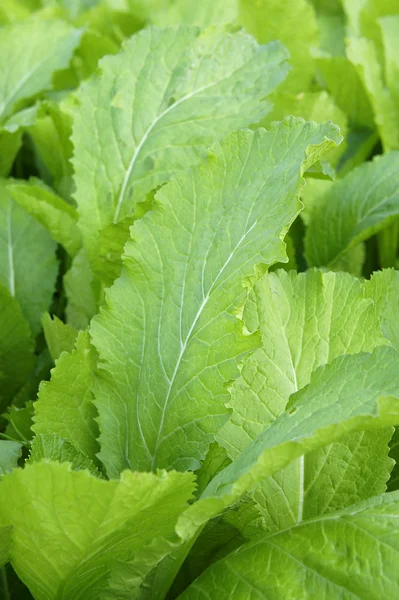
x,y
352,210
16,348
169,339
305,320
64,404
30,53
28,265
357,392
71,529
346,555
156,107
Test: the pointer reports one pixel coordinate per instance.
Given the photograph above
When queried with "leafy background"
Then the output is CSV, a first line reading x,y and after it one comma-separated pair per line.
x,y
199,343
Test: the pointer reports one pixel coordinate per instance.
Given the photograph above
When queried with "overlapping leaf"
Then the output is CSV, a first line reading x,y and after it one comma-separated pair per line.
x,y
329,557
169,338
155,108
83,526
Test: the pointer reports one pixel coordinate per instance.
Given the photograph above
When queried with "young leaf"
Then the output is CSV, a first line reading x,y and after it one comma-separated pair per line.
x,y
16,348
51,211
30,53
350,554
156,107
84,525
353,209
52,447
28,265
64,404
169,339
60,337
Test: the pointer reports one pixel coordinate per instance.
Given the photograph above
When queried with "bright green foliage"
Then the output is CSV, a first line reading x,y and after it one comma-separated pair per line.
x,y
191,99
171,238
352,210
305,320
84,525
64,405
28,267
353,393
183,275
327,557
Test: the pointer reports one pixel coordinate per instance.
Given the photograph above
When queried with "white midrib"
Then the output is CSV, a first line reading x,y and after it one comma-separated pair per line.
x,y
301,460
188,337
144,139
11,272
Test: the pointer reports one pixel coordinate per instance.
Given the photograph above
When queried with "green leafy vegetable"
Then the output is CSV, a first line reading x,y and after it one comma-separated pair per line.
x,y
189,278
189,409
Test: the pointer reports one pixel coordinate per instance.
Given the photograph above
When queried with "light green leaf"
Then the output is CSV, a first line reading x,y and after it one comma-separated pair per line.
x,y
345,555
30,52
10,452
83,525
210,83
78,286
305,320
353,393
353,209
60,337
169,339
64,404
293,22
51,211
51,447
16,348
28,265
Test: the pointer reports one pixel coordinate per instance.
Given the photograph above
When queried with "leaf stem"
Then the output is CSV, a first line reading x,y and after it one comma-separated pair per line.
x,y
4,584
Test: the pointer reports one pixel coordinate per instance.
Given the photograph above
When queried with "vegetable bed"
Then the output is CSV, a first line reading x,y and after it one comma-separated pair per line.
x,y
199,301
